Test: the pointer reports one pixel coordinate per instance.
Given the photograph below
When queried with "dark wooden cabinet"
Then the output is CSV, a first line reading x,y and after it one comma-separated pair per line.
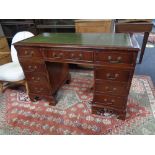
x,y
55,25
45,60
11,26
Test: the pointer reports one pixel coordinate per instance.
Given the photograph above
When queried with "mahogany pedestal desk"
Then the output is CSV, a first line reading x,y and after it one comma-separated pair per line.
x,y
45,58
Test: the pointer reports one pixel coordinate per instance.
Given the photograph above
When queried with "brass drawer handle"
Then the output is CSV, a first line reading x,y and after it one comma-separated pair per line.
x,y
57,56
29,53
113,101
107,102
110,77
114,89
32,52
54,55
110,90
72,55
61,55
37,79
26,52
32,67
114,61
79,57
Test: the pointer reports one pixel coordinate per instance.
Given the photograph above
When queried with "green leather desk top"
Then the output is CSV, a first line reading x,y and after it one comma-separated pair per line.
x,y
82,39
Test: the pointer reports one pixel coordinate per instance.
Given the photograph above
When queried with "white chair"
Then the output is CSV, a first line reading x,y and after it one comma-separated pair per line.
x,y
12,72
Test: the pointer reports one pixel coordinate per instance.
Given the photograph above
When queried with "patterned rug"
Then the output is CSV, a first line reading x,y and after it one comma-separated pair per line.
x,y
72,114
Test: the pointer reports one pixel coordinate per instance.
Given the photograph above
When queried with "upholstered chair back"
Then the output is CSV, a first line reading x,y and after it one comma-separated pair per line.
x,y
18,37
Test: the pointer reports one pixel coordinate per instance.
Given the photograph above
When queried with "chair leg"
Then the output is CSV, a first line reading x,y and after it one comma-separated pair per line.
x,y
26,86
1,87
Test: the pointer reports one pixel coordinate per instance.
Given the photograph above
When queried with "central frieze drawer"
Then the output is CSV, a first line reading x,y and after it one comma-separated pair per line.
x,y
119,57
112,74
69,55
117,88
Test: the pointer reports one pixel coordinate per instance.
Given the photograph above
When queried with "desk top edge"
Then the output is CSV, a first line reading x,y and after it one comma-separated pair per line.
x,y
114,41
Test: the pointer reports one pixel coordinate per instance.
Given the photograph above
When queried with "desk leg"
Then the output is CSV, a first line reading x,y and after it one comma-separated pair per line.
x,y
36,97
68,81
146,35
122,115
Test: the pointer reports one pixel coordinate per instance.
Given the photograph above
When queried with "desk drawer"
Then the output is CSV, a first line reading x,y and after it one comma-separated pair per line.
x,y
109,100
112,74
37,78
119,57
69,55
117,88
29,52
39,89
33,66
